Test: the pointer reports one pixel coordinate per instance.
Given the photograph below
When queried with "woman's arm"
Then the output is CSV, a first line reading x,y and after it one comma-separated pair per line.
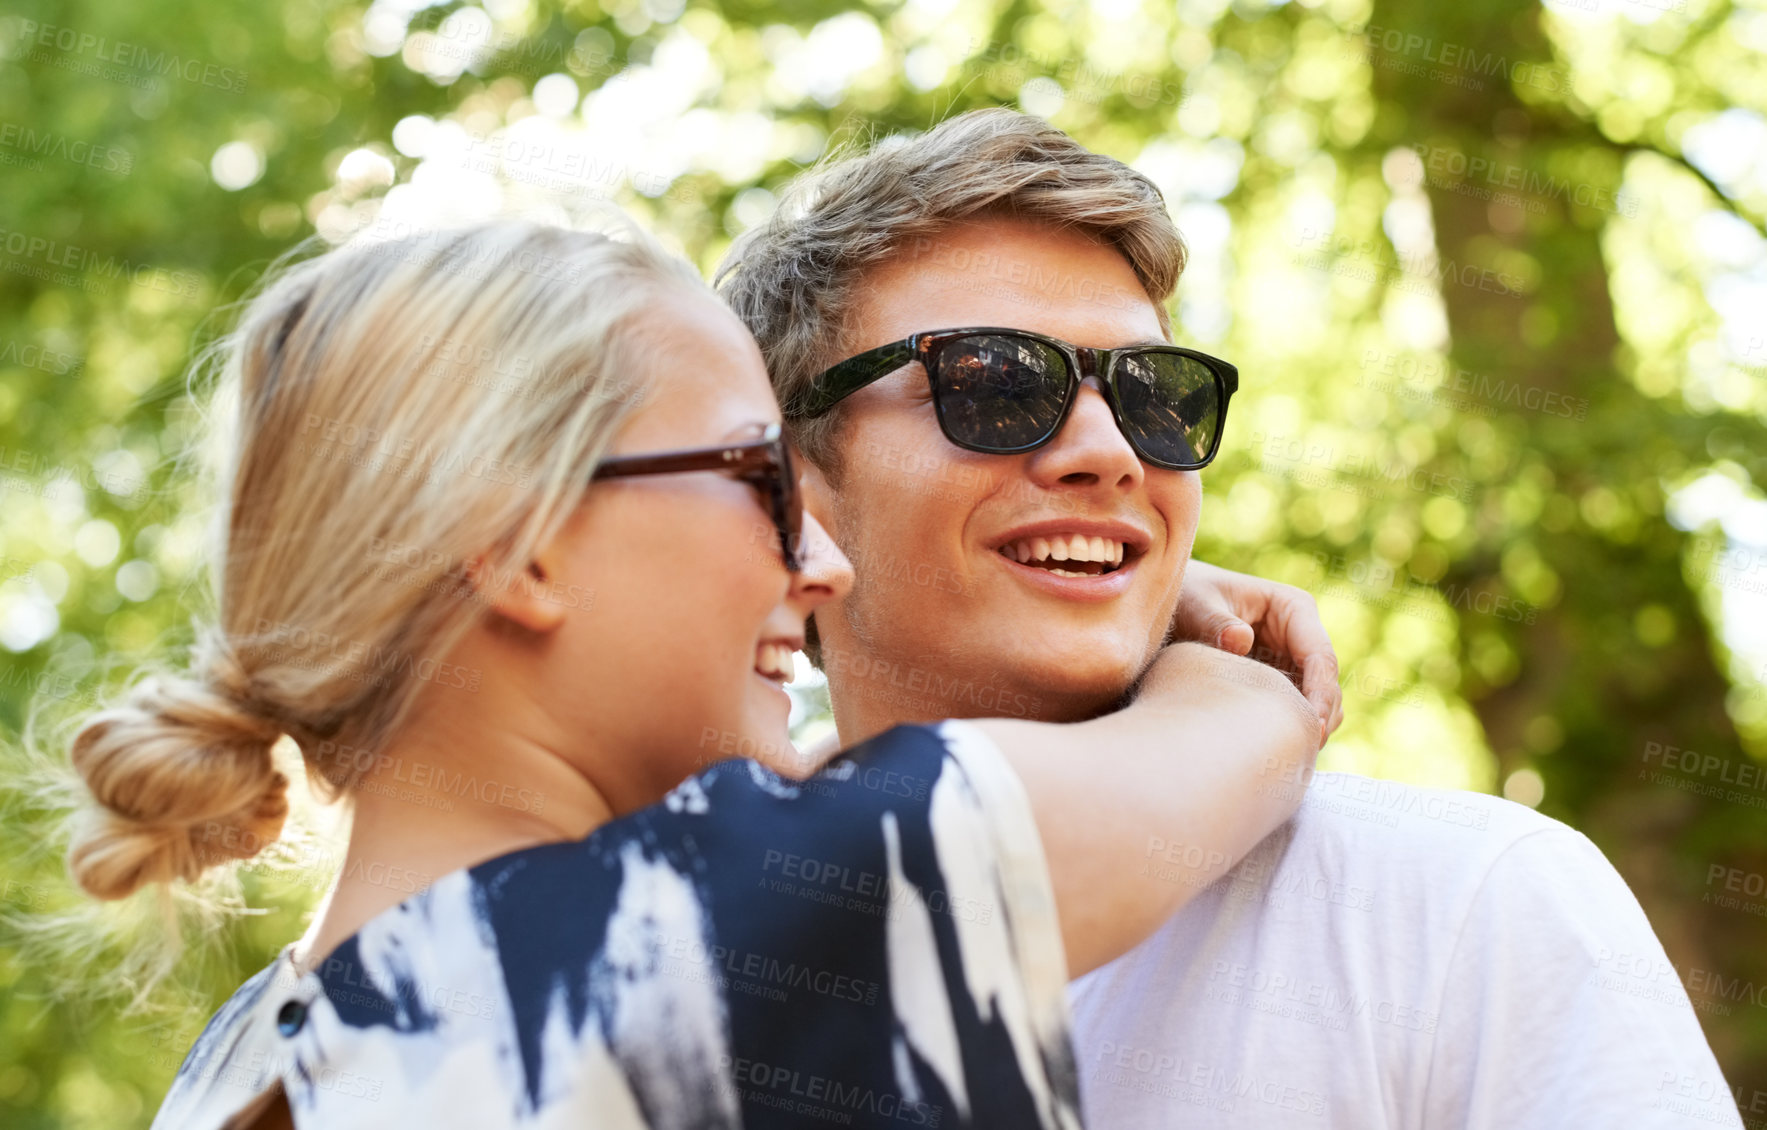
x,y
1140,810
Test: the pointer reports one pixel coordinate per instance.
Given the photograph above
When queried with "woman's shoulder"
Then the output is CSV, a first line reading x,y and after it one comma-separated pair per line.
x,y
697,957
234,1060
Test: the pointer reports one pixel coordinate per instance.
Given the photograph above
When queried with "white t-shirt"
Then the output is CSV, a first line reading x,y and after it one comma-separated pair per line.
x,y
1394,957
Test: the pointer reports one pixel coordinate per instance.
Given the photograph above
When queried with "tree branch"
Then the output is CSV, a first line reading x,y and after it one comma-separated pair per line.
x,y
1724,198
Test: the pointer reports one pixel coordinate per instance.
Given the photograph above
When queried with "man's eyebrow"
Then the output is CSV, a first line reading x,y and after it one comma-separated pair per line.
x,y
1145,341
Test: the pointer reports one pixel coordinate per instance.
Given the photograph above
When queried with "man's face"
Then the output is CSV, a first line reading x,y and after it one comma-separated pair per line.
x,y
923,520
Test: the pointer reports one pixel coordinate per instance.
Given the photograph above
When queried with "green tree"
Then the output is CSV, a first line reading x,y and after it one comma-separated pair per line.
x,y
1455,266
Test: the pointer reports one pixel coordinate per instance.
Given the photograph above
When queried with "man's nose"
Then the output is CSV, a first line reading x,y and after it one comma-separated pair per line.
x,y
1090,448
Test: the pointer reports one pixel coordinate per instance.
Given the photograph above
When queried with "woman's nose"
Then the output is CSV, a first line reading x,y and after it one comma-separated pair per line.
x,y
826,574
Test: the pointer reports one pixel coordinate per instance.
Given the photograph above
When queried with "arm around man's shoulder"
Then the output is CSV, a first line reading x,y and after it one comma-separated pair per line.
x,y
1561,1007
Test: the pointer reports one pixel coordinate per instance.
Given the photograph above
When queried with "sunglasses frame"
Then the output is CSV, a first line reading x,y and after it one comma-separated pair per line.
x,y
765,463
840,381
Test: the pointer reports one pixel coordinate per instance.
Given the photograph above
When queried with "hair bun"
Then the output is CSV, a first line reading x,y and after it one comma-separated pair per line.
x,y
183,779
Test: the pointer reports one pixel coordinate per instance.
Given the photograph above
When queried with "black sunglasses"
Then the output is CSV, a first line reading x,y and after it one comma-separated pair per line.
x,y
1007,391
764,464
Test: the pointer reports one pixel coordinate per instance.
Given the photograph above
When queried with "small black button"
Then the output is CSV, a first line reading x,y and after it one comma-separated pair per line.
x,y
290,1019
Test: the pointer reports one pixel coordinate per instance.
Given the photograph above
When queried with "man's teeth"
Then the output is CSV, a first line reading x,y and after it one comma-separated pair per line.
x,y
774,661
1108,554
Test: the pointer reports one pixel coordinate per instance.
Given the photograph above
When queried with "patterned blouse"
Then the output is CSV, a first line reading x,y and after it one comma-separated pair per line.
x,y
874,946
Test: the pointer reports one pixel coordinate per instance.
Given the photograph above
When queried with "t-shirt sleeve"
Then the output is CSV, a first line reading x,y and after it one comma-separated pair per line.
x,y
889,936
1561,1008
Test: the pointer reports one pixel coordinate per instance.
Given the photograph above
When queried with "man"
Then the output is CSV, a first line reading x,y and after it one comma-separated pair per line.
x,y
1394,956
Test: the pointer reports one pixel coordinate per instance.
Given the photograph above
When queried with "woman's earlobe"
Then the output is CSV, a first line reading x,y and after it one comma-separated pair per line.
x,y
523,597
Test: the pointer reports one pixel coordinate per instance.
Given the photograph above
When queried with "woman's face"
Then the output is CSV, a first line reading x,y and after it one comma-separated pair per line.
x,y
683,607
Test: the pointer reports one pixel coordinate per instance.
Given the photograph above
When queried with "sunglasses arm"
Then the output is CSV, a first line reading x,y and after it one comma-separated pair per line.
x,y
735,457
851,375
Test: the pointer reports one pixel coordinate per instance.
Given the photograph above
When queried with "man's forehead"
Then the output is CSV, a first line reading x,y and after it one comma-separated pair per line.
x,y
1012,275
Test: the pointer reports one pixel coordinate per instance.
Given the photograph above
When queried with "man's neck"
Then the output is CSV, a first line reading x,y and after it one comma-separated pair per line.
x,y
897,694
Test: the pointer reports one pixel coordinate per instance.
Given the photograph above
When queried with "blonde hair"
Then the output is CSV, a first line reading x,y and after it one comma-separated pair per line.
x,y
794,280
416,402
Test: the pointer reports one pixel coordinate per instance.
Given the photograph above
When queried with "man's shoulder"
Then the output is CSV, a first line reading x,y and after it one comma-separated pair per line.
x,y
1380,868
1388,848
1382,816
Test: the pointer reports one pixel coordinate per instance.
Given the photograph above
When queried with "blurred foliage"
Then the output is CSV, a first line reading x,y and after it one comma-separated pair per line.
x,y
1492,273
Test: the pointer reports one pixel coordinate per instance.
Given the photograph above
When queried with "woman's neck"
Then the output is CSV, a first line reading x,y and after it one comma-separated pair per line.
x,y
432,805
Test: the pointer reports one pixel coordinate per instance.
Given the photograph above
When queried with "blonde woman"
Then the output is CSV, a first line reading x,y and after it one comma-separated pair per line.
x,y
512,550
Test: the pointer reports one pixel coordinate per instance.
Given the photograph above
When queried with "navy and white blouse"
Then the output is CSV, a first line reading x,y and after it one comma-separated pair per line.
x,y
874,946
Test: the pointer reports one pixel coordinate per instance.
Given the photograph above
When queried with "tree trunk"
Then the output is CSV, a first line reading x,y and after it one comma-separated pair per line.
x,y
1616,668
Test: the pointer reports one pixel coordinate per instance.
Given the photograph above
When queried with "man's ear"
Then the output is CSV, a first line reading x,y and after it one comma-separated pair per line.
x,y
524,597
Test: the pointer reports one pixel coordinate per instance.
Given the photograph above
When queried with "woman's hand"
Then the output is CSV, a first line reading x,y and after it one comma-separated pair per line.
x,y
1141,809
1273,623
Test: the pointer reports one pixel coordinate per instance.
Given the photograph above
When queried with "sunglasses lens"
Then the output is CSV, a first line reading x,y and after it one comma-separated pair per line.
x,y
999,393
1171,406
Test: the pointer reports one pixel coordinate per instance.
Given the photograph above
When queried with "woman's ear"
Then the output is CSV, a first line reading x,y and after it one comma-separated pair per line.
x,y
525,597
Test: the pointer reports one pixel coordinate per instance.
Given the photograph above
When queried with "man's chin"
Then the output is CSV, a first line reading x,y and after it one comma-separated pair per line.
x,y
1079,689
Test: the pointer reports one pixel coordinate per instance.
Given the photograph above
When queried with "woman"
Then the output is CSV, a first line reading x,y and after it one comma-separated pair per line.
x,y
511,550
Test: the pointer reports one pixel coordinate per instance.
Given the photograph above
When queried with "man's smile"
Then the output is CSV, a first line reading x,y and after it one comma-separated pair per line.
x,y
1074,558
